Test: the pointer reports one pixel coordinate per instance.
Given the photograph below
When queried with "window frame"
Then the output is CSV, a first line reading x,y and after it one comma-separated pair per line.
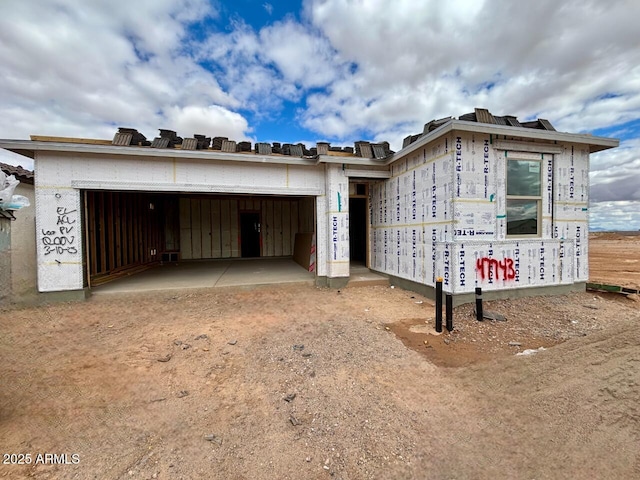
x,y
532,198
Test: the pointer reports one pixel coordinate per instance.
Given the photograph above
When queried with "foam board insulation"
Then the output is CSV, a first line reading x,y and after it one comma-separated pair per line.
x,y
337,218
187,175
409,210
504,265
475,192
444,209
59,239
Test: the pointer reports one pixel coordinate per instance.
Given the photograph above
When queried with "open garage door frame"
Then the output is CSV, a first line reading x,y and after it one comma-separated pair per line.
x,y
129,231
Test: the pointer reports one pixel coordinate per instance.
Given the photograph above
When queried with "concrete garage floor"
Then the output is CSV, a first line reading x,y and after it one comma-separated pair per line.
x,y
208,274
227,273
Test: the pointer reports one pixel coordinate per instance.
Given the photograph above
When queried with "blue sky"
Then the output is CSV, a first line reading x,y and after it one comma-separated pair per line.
x,y
330,70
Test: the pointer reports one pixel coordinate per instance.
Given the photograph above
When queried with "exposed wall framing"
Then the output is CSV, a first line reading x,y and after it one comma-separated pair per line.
x,y
125,231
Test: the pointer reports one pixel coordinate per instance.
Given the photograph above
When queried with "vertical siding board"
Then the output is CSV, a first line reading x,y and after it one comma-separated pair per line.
x,y
263,227
205,223
235,235
294,222
286,227
216,231
277,228
185,229
196,238
124,202
144,229
225,227
270,230
111,244
118,230
93,235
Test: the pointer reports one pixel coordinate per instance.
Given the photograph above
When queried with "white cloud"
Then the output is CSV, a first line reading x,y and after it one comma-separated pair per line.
x,y
621,215
302,56
268,8
80,69
417,61
211,121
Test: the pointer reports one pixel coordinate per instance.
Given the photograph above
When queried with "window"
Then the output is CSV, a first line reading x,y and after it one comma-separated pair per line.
x,y
524,197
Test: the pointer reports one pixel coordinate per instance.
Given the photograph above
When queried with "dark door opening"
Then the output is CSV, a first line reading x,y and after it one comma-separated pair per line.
x,y
250,234
358,230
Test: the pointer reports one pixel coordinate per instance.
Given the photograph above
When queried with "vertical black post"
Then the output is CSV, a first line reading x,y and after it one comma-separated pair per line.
x,y
479,304
439,305
449,309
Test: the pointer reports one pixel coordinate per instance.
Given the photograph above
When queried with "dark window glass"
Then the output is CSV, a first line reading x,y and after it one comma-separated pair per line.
x,y
523,178
522,217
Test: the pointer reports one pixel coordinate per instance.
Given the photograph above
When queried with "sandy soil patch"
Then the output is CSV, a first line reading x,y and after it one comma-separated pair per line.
x,y
614,259
298,382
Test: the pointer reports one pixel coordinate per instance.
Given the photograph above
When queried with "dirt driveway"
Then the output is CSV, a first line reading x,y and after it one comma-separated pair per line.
x,y
296,382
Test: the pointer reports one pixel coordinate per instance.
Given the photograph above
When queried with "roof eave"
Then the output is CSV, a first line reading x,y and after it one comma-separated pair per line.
x,y
596,144
31,146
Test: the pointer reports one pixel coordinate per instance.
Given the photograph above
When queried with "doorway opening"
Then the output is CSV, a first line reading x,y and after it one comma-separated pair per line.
x,y
250,234
358,230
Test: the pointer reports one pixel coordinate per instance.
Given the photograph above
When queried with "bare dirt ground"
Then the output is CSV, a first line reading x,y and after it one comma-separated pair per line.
x,y
295,382
614,258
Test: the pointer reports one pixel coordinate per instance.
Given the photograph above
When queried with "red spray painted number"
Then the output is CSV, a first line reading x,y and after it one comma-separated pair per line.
x,y
494,269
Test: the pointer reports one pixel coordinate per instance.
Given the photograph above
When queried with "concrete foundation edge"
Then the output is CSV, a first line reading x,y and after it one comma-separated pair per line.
x,y
460,299
64,296
339,282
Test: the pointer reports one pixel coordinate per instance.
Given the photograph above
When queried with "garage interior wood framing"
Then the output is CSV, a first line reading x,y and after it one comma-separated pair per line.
x,y
132,230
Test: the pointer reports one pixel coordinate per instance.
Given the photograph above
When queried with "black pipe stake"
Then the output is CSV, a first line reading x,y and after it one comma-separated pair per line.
x,y
439,305
479,304
449,309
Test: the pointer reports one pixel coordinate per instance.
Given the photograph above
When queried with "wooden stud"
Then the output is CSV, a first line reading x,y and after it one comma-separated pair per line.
x,y
93,238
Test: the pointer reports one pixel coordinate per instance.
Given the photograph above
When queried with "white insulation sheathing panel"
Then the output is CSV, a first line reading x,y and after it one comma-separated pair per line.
x,y
502,265
443,214
411,212
59,239
337,221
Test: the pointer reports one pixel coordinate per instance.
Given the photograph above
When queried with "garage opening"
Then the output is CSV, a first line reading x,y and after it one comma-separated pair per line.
x,y
130,231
